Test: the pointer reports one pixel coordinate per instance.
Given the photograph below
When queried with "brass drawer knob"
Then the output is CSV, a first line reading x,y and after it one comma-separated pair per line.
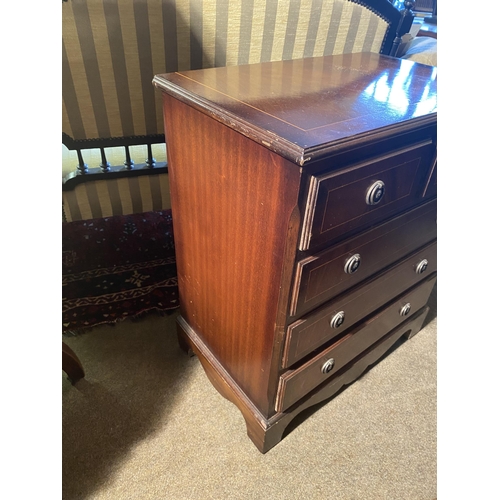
x,y
422,266
352,264
405,310
375,193
328,366
337,319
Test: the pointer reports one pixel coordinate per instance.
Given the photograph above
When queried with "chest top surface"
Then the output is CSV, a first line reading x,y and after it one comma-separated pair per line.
x,y
304,108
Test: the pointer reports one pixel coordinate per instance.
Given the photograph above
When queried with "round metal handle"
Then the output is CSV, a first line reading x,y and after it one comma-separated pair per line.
x,y
328,366
337,319
352,263
422,266
375,193
405,310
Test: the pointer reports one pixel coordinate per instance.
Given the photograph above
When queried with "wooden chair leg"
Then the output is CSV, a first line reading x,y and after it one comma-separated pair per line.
x,y
71,365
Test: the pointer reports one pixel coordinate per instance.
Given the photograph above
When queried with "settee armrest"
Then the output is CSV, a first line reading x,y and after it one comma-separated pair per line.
x,y
422,49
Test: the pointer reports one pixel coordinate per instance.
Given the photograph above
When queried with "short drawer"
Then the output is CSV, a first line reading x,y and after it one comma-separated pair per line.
x,y
334,318
325,275
352,199
295,384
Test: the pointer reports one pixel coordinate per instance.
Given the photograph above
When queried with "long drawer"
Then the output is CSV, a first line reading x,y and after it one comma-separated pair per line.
x,y
360,363
335,317
295,384
323,276
342,201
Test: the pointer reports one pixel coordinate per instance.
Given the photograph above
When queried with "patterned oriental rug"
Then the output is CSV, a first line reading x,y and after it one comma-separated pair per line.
x,y
117,267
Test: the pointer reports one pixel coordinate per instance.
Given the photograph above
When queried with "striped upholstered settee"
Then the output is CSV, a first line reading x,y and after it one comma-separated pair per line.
x,y
113,48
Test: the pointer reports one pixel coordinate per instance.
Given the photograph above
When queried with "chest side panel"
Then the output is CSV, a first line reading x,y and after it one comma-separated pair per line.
x,y
233,202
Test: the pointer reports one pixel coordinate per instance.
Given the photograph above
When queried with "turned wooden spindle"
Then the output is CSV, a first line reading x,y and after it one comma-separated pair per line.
x,y
404,25
105,165
82,167
150,160
129,163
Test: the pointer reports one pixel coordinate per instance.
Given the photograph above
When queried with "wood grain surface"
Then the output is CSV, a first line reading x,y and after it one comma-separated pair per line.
x,y
294,384
302,108
233,205
321,276
271,166
314,329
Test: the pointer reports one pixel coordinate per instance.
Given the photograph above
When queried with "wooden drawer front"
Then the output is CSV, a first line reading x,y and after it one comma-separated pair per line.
x,y
337,202
312,331
321,277
355,368
295,384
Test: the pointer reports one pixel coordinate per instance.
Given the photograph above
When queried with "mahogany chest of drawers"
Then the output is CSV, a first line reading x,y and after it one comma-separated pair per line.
x,y
304,206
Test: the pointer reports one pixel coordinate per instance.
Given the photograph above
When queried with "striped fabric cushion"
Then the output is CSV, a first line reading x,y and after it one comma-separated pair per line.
x,y
128,195
113,48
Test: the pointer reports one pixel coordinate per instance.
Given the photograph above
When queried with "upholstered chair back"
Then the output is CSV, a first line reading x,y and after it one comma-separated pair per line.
x,y
113,48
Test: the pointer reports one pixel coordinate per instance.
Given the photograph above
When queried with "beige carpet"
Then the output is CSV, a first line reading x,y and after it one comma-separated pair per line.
x,y
146,423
